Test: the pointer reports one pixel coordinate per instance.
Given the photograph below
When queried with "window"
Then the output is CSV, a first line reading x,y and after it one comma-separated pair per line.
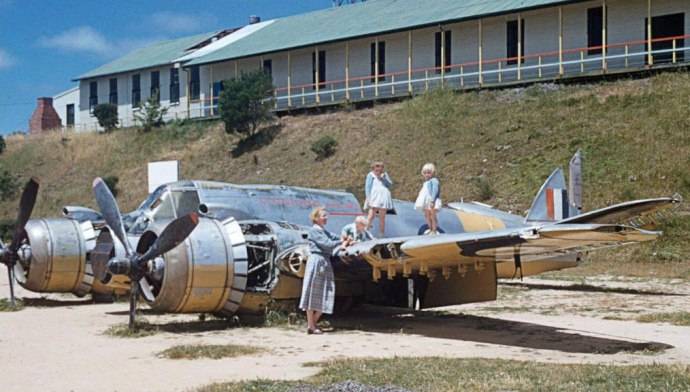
x,y
70,115
93,95
382,60
512,40
667,26
174,85
595,27
322,68
194,83
446,49
136,90
112,98
156,85
268,67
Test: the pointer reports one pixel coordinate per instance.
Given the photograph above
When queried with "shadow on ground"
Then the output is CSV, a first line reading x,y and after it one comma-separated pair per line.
x,y
588,288
54,303
255,142
488,330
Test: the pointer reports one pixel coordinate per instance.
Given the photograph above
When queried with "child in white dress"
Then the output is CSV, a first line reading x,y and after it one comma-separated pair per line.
x,y
379,201
429,198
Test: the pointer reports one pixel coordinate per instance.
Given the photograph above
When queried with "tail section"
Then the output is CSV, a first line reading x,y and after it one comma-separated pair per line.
x,y
552,203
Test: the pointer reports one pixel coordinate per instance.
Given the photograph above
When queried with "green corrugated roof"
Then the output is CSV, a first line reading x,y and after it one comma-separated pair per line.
x,y
362,19
160,53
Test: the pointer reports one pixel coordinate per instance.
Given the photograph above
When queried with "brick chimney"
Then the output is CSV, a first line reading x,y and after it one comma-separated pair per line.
x,y
44,117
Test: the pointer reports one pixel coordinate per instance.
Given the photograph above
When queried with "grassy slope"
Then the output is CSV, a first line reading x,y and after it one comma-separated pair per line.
x,y
635,136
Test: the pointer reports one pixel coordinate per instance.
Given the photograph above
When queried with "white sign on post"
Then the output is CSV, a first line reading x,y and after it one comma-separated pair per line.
x,y
162,173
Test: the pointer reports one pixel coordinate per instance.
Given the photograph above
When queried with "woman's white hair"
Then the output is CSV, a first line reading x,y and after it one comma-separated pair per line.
x,y
429,167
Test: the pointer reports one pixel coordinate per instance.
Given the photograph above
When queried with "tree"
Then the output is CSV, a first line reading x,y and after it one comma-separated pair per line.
x,y
106,113
324,147
151,114
243,104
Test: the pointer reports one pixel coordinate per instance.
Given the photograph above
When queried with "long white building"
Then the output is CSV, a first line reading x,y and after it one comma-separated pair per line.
x,y
388,48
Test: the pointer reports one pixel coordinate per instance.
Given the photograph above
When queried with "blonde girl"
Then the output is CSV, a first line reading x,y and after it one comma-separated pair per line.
x,y
377,189
429,198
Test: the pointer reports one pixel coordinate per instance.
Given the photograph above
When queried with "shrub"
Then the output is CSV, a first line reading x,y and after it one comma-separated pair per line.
x,y
106,113
8,185
484,189
151,114
3,145
324,147
111,182
242,103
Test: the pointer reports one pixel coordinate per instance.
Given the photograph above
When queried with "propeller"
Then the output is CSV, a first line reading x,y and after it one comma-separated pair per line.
x,y
135,265
9,255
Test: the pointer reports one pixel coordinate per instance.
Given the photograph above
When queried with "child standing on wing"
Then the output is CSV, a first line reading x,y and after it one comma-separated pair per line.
x,y
379,200
429,199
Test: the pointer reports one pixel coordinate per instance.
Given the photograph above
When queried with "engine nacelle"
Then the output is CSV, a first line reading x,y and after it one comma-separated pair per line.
x,y
58,252
206,273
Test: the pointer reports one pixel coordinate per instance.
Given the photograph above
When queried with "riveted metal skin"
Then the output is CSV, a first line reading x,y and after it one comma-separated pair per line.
x,y
206,273
58,256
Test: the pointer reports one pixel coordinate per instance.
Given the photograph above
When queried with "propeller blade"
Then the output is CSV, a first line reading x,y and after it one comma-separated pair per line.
x,y
173,234
26,206
11,277
133,298
110,211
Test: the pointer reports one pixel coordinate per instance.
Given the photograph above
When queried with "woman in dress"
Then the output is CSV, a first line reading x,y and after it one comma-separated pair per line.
x,y
379,201
318,285
429,198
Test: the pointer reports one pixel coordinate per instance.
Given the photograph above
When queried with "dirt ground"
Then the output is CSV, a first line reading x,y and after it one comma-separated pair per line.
x,y
57,343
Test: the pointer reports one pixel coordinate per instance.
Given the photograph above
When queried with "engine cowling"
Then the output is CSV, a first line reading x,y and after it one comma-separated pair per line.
x,y
56,255
206,273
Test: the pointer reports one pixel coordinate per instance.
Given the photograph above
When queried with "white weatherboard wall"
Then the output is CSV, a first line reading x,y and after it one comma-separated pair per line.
x,y
60,102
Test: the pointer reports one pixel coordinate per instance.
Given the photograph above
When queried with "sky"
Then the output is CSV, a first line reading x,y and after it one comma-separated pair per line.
x,y
44,44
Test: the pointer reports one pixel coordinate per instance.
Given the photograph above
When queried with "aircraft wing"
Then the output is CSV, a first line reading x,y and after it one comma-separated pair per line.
x,y
425,253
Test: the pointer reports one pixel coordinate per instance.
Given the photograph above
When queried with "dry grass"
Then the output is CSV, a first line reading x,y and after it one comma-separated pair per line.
x,y
140,330
6,305
208,351
445,375
633,134
676,318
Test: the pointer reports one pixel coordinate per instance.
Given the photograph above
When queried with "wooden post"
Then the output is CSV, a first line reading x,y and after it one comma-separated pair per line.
x,y
443,56
376,67
393,84
289,78
582,61
332,93
481,66
561,71
426,80
540,73
347,70
603,35
650,57
409,62
519,53
317,78
462,76
500,72
627,52
303,97
361,88
674,51
210,76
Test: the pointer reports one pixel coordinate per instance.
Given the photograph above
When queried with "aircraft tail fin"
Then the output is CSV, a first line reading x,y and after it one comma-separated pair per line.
x,y
555,201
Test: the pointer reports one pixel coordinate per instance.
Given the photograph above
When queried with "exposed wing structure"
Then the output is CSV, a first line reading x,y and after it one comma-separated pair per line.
x,y
477,250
